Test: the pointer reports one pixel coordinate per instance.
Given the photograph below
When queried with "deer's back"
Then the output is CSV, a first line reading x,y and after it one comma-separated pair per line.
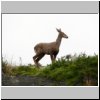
x,y
46,48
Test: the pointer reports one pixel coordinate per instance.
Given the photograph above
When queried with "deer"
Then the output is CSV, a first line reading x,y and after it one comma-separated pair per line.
x,y
51,48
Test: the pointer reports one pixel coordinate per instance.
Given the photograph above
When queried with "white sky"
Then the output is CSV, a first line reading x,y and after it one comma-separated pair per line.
x,y
21,32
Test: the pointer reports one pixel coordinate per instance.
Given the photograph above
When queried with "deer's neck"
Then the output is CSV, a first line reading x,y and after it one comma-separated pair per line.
x,y
58,40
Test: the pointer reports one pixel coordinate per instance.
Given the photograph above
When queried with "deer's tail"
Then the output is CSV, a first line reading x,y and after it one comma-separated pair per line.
x,y
35,49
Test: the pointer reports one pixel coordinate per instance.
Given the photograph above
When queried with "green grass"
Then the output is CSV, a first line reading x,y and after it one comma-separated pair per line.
x,y
83,71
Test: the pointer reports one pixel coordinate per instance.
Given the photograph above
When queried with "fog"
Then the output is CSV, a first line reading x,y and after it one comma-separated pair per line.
x,y
21,32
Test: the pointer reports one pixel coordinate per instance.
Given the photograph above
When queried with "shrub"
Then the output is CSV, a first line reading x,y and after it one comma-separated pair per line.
x,y
83,70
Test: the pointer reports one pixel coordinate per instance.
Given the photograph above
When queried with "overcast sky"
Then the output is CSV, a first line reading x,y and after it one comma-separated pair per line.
x,y
21,32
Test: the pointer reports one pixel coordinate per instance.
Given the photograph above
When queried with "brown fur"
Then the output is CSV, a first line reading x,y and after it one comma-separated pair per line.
x,y
51,49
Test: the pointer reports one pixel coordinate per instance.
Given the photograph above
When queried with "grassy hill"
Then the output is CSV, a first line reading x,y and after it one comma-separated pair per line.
x,y
66,71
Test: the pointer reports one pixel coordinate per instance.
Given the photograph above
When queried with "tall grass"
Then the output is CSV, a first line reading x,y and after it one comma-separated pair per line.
x,y
82,71
7,68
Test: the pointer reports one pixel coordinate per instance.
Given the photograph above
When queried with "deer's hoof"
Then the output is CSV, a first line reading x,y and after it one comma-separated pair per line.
x,y
39,64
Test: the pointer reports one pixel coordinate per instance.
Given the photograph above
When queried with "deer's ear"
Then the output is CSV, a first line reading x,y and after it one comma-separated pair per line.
x,y
58,30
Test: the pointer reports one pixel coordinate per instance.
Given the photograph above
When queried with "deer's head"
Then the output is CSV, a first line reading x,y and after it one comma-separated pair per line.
x,y
62,34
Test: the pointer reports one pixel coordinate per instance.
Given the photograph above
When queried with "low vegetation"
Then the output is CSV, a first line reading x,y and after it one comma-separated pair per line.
x,y
80,71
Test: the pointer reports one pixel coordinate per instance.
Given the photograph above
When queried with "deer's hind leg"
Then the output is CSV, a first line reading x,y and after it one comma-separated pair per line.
x,y
36,59
39,58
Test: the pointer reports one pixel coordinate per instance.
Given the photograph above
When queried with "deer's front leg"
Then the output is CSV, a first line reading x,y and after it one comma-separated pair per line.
x,y
52,58
55,57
